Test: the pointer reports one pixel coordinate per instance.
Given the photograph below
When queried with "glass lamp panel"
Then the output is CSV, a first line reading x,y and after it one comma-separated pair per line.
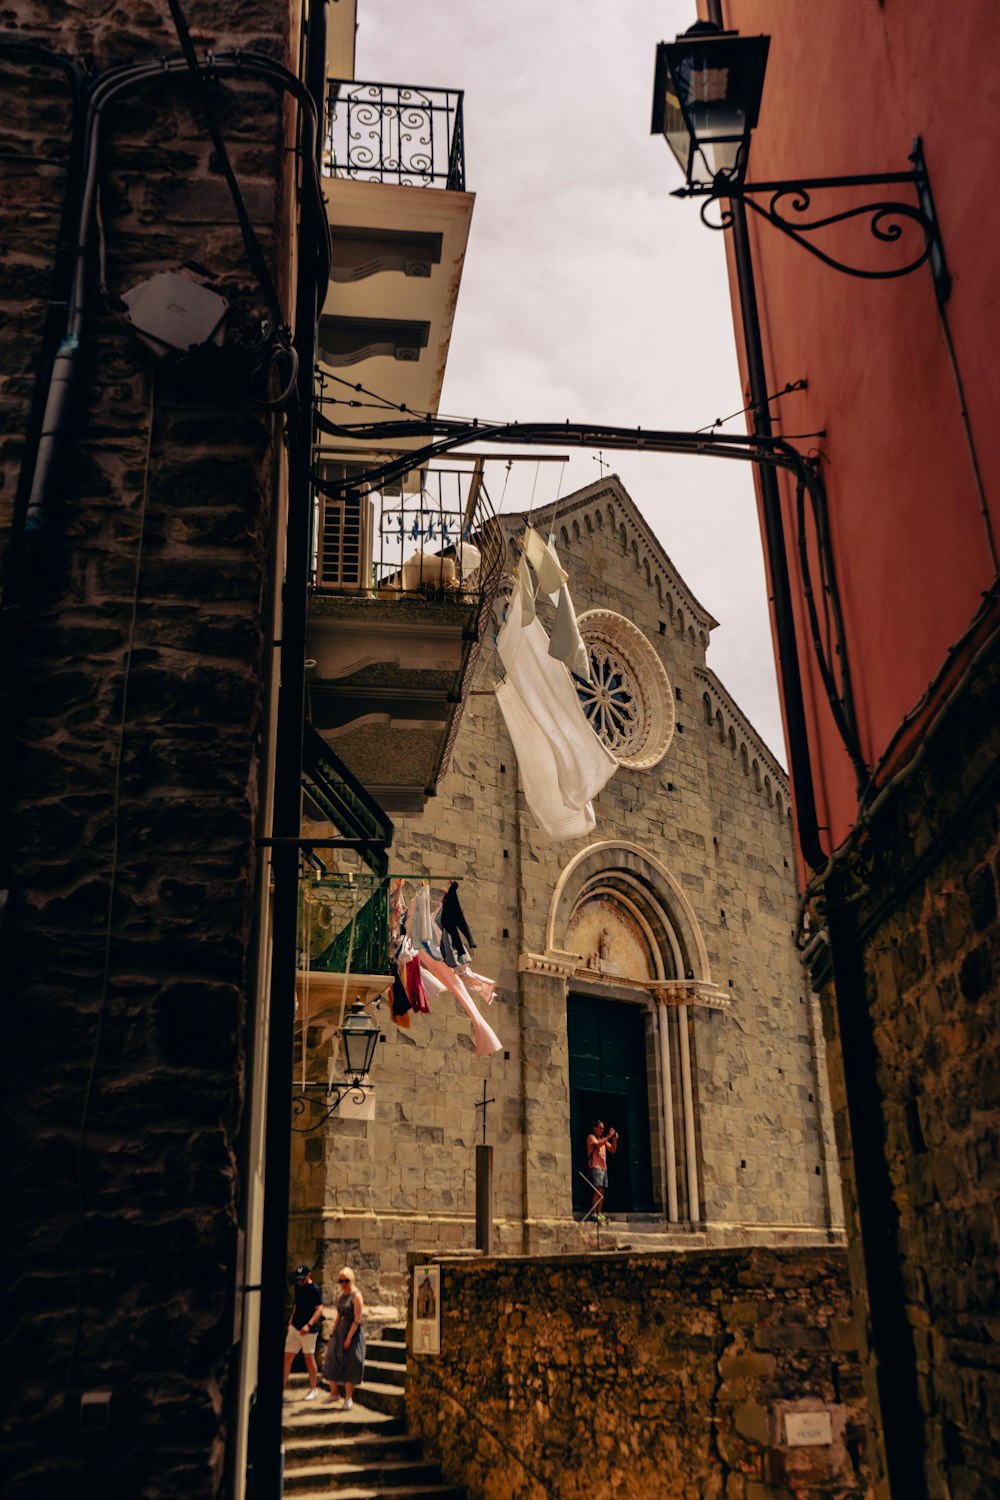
x,y
358,1039
714,85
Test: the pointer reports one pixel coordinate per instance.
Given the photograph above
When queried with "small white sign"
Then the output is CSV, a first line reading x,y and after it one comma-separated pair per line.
x,y
427,1309
808,1429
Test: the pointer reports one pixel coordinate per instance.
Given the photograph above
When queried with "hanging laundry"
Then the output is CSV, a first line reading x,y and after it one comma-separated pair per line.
x,y
485,1038
415,987
566,643
485,988
400,1008
397,911
539,774
525,591
542,557
448,953
583,764
452,919
420,924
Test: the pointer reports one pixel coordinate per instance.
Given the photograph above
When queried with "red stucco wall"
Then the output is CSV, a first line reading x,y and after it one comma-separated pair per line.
x,y
850,83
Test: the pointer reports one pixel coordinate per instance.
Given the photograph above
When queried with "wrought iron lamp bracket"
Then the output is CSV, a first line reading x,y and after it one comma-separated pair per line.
x,y
789,203
328,1100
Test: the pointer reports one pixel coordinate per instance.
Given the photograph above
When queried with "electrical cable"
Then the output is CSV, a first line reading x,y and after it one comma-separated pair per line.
x,y
794,385
838,697
104,90
970,441
250,240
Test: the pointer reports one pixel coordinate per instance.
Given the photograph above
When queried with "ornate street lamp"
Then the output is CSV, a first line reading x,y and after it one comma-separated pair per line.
x,y
359,1037
706,100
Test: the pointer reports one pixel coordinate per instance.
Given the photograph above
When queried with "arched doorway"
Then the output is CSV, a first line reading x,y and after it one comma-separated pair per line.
x,y
620,915
608,1081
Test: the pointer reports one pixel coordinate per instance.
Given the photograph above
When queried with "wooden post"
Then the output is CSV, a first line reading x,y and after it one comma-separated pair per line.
x,y
484,1199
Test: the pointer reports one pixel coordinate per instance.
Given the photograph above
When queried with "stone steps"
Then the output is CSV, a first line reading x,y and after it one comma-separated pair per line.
x,y
385,1476
369,1492
360,1446
364,1453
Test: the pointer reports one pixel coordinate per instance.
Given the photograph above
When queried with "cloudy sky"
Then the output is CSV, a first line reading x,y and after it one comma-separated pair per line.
x,y
589,294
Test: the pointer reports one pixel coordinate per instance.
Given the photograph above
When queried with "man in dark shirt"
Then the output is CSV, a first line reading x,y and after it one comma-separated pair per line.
x,y
303,1326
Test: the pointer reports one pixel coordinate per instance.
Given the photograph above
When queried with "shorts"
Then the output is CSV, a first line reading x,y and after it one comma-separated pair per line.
x,y
598,1176
296,1342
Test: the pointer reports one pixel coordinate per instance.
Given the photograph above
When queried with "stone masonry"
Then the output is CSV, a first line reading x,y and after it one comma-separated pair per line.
x,y
929,875
139,670
651,1377
708,828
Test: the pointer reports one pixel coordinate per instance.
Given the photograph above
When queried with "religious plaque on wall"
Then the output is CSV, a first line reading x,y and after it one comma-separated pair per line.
x,y
427,1309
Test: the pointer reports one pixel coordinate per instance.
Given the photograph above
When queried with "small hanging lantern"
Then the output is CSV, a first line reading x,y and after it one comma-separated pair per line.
x,y
706,100
359,1037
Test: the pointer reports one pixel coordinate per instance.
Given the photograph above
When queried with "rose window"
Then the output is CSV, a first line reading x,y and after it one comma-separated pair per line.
x,y
612,701
629,702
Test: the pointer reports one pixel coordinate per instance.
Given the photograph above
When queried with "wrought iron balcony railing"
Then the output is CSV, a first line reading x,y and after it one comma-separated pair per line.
x,y
440,541
344,926
395,132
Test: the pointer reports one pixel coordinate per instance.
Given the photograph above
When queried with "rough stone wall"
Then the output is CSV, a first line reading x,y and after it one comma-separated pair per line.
x,y
137,712
713,812
928,874
659,1377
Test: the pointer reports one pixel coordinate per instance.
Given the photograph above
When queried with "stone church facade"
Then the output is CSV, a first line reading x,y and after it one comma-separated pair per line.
x,y
647,974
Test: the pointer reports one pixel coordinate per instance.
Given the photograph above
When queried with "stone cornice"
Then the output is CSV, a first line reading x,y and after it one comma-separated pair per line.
x,y
556,964
553,962
688,992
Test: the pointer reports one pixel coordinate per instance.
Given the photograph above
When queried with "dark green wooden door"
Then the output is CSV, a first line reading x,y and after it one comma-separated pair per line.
x,y
607,1081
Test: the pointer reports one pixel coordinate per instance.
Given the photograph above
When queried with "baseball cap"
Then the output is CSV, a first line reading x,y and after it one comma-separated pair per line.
x,y
301,1272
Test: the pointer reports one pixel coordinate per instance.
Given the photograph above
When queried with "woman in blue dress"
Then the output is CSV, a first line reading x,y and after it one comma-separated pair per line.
x,y
344,1364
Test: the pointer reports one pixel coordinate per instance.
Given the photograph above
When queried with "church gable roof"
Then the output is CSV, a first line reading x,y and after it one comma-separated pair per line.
x,y
606,506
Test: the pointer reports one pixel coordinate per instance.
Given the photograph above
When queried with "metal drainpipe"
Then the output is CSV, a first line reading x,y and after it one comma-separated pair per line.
x,y
777,559
267,1458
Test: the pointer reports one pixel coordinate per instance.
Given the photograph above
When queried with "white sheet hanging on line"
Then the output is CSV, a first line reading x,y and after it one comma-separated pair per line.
x,y
563,764
566,644
537,766
525,590
542,557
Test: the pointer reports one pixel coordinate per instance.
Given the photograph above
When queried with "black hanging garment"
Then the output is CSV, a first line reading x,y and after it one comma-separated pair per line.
x,y
453,920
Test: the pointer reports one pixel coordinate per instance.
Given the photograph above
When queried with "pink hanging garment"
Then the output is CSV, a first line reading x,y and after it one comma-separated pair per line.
x,y
397,911
486,1038
485,988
